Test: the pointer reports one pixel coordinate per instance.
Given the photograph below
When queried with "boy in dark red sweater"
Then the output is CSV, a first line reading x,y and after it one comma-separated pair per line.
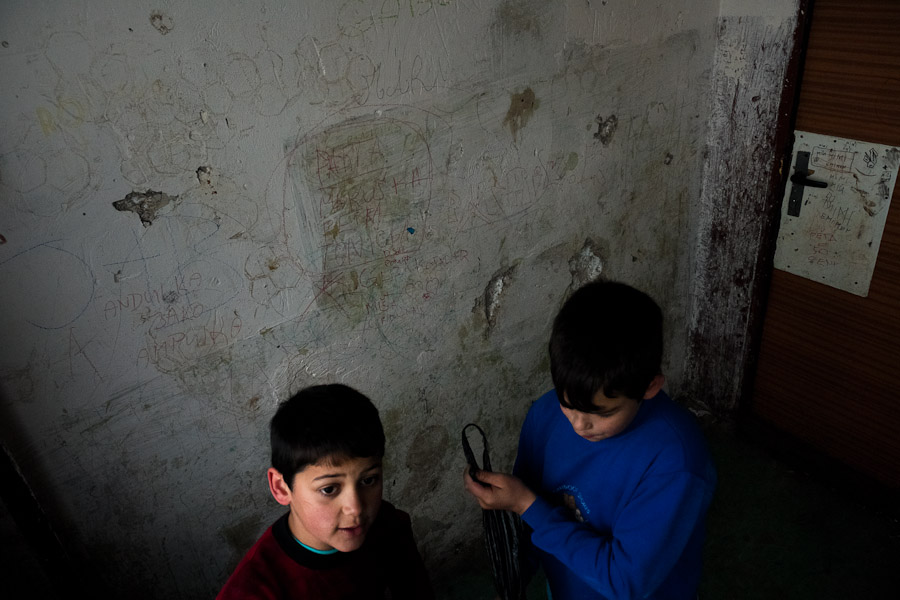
x,y
339,540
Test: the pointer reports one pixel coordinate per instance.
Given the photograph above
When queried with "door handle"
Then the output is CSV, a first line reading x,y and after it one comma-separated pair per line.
x,y
801,178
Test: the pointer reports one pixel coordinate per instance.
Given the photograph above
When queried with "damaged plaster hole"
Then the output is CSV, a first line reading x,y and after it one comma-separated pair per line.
x,y
668,159
586,265
144,204
606,129
492,293
161,22
170,297
204,175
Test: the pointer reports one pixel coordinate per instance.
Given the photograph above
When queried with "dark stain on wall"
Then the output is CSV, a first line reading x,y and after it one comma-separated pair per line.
x,y
521,107
242,534
425,459
144,204
515,17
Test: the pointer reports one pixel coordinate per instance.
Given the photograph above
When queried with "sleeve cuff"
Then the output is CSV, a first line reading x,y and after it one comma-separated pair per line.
x,y
538,513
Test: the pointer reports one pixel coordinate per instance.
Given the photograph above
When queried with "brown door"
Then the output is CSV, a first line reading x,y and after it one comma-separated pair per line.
x,y
829,361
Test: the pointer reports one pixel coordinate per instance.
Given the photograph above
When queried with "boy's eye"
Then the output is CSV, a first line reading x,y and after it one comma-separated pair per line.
x,y
328,490
370,480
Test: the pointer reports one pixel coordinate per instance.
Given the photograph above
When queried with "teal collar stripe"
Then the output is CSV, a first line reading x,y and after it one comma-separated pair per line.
x,y
332,551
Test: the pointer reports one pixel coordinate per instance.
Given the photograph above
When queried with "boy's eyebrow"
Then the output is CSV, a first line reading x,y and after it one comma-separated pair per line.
x,y
337,475
595,408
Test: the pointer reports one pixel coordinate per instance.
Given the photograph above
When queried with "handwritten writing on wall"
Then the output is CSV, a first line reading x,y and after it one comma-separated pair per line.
x,y
365,188
834,235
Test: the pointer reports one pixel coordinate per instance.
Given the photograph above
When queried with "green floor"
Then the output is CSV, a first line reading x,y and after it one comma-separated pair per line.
x,y
774,533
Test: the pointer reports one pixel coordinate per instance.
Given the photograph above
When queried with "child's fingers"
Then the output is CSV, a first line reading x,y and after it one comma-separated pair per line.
x,y
481,493
497,480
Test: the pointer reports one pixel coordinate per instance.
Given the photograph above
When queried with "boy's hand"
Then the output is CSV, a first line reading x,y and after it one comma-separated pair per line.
x,y
502,492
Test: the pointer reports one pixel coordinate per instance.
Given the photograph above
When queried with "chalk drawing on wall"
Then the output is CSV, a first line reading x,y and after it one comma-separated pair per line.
x,y
834,210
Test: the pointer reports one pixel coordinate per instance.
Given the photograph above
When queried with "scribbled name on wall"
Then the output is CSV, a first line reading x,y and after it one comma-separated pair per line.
x,y
177,287
388,206
364,188
180,327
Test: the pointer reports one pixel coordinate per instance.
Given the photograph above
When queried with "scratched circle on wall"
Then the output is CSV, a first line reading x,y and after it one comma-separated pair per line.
x,y
53,287
45,183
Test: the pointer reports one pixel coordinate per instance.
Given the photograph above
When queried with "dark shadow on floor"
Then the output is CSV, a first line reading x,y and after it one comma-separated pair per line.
x,y
778,532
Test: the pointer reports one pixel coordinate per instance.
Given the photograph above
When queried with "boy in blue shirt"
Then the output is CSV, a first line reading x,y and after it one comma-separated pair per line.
x,y
613,478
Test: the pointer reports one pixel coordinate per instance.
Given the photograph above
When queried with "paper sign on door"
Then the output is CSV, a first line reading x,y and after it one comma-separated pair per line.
x,y
834,210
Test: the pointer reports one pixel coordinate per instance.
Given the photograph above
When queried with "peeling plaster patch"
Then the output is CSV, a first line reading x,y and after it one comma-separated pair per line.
x,y
145,204
521,107
586,265
162,22
490,301
606,129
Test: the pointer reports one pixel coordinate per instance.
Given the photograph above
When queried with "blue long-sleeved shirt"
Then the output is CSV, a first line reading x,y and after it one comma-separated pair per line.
x,y
623,517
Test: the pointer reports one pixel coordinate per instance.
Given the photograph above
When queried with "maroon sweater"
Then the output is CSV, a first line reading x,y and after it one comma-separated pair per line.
x,y
387,565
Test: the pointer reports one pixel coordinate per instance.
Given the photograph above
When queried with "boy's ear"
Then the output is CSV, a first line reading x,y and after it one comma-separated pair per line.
x,y
654,387
278,486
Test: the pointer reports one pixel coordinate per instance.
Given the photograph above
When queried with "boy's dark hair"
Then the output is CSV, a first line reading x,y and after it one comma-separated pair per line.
x,y
607,336
324,422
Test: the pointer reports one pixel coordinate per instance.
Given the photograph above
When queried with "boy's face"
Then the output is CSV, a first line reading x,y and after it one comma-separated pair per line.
x,y
333,504
610,417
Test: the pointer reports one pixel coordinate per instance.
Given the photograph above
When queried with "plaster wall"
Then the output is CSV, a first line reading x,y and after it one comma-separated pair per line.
x,y
205,207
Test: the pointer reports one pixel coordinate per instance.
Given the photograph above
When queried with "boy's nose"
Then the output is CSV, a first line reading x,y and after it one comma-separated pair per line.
x,y
580,421
352,503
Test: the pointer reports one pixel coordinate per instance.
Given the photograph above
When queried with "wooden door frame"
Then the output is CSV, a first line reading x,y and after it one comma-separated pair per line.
x,y
724,345
737,238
